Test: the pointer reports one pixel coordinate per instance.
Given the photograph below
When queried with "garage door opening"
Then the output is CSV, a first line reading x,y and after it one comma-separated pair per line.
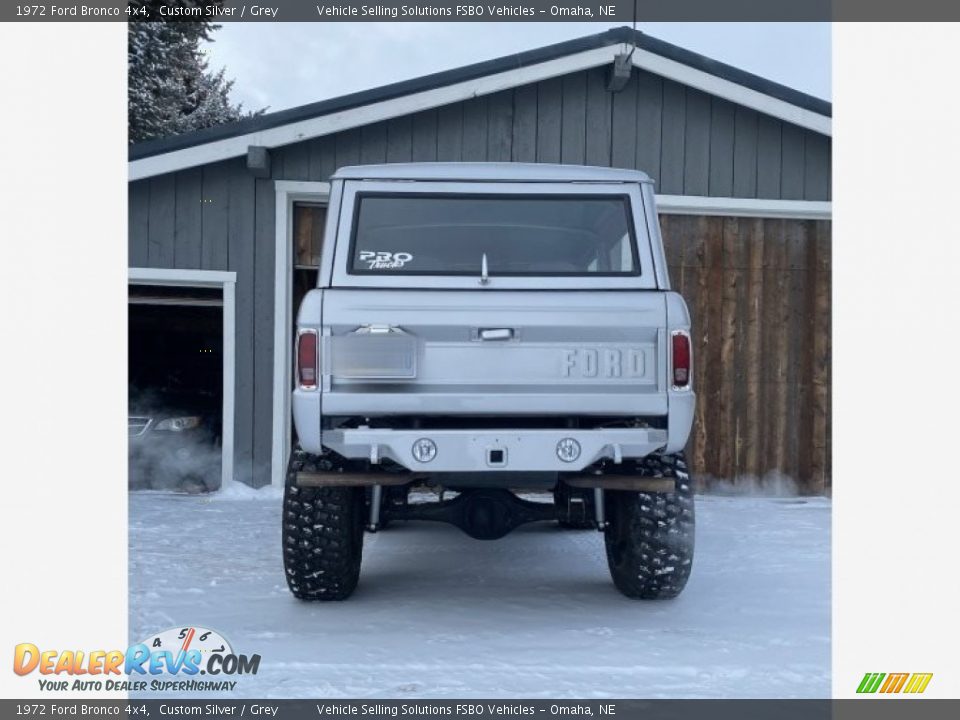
x,y
175,388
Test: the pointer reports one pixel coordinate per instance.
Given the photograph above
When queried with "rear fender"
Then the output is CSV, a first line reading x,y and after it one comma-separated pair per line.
x,y
681,403
307,404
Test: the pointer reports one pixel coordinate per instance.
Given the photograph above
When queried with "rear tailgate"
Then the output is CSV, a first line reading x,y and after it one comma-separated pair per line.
x,y
475,352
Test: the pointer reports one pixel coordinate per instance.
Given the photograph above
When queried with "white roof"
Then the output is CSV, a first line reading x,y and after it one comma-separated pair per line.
x,y
491,171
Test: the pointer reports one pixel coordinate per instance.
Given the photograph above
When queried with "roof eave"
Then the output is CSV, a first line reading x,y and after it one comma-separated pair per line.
x,y
317,119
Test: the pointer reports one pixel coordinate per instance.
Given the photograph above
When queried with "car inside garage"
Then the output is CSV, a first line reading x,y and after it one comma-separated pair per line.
x,y
175,388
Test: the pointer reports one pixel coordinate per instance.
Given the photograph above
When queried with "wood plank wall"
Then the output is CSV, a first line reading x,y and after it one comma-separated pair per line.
x,y
759,294
308,228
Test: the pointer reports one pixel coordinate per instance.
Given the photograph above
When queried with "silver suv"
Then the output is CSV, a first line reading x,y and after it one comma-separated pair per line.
x,y
485,328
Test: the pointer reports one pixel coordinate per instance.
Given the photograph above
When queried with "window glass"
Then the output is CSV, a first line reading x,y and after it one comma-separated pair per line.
x,y
518,235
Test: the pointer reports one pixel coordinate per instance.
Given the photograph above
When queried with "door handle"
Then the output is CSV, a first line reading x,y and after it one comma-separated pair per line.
x,y
496,334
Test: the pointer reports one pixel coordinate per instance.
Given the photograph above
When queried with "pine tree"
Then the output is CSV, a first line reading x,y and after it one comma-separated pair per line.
x,y
171,88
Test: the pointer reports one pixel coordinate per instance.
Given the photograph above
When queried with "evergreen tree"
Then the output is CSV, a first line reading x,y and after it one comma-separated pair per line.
x,y
171,88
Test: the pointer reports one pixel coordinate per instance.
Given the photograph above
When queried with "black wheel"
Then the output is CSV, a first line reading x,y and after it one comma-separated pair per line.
x,y
574,508
322,536
649,538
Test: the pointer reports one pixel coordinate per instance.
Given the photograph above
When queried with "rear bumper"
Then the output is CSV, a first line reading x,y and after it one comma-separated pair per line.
x,y
495,450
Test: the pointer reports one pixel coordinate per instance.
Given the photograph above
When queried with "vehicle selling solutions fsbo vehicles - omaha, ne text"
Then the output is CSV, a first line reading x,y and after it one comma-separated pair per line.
x,y
484,328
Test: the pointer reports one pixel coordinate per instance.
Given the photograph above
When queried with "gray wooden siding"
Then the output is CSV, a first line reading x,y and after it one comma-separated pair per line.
x,y
218,217
689,142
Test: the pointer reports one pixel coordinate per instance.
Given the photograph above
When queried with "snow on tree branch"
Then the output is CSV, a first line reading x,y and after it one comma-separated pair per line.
x,y
171,87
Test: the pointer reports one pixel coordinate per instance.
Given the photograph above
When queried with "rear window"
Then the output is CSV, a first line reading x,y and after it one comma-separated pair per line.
x,y
409,234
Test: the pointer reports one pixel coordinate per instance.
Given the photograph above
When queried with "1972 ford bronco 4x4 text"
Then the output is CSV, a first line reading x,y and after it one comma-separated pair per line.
x,y
486,328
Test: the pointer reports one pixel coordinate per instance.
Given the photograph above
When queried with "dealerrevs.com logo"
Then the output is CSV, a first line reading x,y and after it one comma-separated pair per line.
x,y
892,683
169,661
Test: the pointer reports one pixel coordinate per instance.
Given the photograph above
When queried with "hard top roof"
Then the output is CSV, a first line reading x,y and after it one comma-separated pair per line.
x,y
490,172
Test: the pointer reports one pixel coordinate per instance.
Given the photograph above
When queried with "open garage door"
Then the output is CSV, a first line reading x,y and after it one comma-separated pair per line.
x,y
176,387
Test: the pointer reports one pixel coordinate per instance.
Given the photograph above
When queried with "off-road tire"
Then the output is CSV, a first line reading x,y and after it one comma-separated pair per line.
x,y
561,498
650,536
322,535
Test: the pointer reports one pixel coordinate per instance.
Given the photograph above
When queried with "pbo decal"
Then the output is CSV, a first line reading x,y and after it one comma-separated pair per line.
x,y
379,260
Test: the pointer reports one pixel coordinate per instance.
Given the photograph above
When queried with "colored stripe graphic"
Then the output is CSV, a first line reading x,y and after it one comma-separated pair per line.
x,y
914,683
894,682
870,682
918,682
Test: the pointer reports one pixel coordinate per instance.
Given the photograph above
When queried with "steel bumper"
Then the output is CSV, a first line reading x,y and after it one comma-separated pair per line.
x,y
495,450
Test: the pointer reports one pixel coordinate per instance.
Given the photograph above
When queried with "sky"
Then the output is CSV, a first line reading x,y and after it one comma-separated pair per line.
x,y
283,65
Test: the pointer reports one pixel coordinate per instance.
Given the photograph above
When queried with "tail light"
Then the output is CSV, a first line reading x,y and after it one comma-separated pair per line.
x,y
307,360
681,365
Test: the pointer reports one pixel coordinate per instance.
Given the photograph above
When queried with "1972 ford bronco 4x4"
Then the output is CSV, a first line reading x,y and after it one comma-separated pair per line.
x,y
485,328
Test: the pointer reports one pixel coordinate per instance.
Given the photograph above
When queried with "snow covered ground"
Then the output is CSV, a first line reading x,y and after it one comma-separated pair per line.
x,y
440,615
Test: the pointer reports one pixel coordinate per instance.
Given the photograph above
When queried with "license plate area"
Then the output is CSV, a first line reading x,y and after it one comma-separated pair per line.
x,y
374,356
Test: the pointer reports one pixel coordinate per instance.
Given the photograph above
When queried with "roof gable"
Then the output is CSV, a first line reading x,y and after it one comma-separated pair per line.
x,y
316,119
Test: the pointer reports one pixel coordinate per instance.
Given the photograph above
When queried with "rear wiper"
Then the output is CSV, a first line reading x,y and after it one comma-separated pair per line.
x,y
484,276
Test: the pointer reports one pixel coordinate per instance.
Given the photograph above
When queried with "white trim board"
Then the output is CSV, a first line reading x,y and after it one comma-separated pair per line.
x,y
227,281
226,148
744,207
287,193
729,90
181,277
